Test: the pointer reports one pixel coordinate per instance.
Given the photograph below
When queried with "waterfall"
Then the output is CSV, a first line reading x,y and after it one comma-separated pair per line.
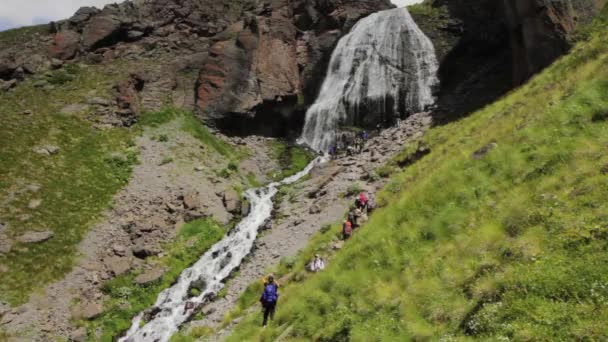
x,y
383,69
170,312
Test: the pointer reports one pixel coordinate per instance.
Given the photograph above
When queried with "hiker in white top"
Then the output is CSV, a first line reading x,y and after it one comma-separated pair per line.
x,y
317,264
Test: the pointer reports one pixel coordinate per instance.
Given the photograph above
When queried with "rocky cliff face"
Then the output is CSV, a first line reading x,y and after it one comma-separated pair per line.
x,y
243,65
488,46
540,30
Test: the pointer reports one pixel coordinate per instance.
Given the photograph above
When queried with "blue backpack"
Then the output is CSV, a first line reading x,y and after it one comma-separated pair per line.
x,y
271,293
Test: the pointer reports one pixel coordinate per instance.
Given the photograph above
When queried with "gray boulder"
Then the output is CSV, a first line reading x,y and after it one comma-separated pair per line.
x,y
36,237
150,276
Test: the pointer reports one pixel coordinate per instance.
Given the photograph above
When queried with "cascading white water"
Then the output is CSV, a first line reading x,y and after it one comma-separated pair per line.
x,y
212,268
386,64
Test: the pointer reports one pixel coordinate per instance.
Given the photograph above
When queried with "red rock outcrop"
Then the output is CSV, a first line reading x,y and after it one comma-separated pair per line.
x,y
65,45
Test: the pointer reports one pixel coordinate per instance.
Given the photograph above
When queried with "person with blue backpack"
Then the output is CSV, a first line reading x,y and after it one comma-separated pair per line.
x,y
269,299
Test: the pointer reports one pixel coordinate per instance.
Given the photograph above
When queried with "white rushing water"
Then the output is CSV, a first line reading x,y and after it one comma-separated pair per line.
x,y
385,66
212,268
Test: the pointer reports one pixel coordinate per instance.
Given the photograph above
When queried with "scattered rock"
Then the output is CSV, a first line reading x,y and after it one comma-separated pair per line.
x,y
482,152
90,311
150,276
65,45
33,188
28,112
79,335
56,63
232,201
46,150
7,85
267,225
199,169
192,201
36,237
75,108
117,265
143,250
98,101
6,245
134,35
245,208
170,208
119,250
314,209
338,245
34,204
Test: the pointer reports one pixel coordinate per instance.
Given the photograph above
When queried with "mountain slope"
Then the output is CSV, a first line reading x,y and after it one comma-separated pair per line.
x,y
499,233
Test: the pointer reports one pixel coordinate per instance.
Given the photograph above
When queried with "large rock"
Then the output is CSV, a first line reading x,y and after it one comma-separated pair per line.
x,y
144,250
118,265
35,237
150,276
6,85
89,311
65,45
102,30
232,201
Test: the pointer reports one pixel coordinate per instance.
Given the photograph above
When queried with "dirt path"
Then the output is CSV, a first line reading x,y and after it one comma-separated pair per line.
x,y
305,215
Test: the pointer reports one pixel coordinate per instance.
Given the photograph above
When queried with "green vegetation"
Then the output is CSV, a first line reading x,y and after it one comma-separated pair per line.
x,y
435,22
507,245
292,159
18,36
192,125
127,299
76,184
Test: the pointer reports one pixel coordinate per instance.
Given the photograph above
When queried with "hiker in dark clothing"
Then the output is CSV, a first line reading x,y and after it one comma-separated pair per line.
x,y
347,230
333,151
365,136
351,217
269,299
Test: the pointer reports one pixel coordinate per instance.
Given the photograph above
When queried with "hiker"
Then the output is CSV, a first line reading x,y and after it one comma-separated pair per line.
x,y
347,230
350,150
332,152
363,201
269,299
351,216
318,264
371,204
357,213
365,135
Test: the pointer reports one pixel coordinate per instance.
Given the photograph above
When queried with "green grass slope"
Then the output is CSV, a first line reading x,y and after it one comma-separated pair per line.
x,y
76,184
509,245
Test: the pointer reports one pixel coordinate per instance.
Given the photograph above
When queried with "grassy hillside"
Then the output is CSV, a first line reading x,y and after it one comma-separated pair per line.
x,y
500,233
75,185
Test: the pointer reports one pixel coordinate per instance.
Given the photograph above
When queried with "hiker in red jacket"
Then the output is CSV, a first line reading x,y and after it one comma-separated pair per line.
x,y
347,230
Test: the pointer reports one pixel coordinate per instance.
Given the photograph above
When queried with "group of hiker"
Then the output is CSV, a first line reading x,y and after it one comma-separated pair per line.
x,y
348,145
357,215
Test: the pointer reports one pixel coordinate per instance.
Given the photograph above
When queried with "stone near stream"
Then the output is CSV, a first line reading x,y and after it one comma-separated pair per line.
x,y
232,201
150,276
